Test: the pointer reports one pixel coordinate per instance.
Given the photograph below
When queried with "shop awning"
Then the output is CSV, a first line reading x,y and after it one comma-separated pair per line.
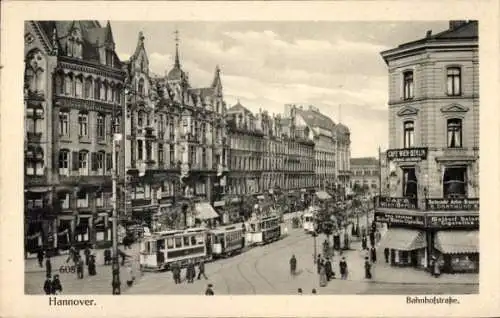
x,y
205,211
457,242
322,195
403,239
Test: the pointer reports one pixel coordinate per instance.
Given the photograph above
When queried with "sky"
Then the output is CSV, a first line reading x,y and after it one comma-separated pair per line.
x,y
335,66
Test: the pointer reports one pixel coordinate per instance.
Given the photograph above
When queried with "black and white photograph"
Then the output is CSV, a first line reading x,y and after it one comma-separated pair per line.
x,y
251,158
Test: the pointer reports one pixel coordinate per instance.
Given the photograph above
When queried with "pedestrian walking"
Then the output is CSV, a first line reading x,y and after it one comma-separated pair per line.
x,y
86,252
314,291
201,270
299,291
343,268
293,265
373,254
364,242
209,291
47,285
56,287
91,266
319,262
79,268
190,272
48,266
372,238
71,255
176,273
436,267
130,275
323,280
329,270
386,254
39,256
368,267
107,256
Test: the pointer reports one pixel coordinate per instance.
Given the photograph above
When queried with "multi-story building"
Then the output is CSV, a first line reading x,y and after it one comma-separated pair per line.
x,y
178,144
342,137
434,149
74,87
365,175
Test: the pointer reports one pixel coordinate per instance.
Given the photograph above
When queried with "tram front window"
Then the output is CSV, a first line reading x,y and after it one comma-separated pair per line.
x,y
186,240
178,242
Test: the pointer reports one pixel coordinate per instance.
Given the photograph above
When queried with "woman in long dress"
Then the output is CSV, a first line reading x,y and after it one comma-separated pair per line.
x,y
323,280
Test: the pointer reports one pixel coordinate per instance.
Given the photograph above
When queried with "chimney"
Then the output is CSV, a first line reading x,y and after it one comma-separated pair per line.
x,y
457,23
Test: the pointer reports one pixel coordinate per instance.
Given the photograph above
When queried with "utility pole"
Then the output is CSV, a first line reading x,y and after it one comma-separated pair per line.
x,y
116,266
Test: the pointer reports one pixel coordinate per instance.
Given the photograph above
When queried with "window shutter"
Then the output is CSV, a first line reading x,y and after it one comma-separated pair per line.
x,y
94,161
109,161
75,161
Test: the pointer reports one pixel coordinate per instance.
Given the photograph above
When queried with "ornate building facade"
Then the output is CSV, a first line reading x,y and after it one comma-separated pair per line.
x,y
433,158
365,175
177,139
343,153
74,87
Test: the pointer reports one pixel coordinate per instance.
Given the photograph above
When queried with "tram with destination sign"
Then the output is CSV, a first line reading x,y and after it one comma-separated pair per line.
x,y
160,250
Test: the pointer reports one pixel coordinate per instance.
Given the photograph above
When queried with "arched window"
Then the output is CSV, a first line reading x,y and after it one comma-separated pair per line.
x,y
408,134
454,129
117,125
59,84
97,89
104,90
101,123
140,87
83,123
68,84
88,88
34,71
79,86
112,94
83,163
64,162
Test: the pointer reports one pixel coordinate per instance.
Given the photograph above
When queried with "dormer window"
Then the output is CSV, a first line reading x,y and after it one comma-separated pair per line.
x,y
109,57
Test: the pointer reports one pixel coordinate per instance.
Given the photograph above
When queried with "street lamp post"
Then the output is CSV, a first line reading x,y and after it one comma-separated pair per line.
x,y
116,265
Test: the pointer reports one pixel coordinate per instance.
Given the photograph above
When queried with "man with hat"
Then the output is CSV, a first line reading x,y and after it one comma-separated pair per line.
x,y
209,291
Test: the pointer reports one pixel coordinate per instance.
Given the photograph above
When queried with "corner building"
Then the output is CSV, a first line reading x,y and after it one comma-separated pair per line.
x,y
433,205
73,98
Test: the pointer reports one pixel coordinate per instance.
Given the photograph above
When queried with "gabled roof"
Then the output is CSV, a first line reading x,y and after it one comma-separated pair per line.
x,y
238,108
363,161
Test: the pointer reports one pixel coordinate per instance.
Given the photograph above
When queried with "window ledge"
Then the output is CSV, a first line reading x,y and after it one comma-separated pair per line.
x,y
101,141
84,139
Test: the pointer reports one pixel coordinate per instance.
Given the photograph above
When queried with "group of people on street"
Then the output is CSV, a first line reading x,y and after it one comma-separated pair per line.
x,y
371,257
52,287
190,272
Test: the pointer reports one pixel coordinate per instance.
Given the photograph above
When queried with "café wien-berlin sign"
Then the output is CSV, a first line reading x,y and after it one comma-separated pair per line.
x,y
407,154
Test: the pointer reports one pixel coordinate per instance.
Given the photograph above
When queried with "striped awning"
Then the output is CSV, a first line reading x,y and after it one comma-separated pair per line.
x,y
205,211
457,242
403,239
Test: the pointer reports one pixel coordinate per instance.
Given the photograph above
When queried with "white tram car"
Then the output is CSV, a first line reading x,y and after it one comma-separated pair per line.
x,y
308,221
161,249
263,230
227,240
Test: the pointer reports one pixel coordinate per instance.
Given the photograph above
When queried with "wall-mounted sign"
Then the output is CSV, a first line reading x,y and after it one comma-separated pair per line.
x,y
397,203
399,219
407,154
452,204
453,221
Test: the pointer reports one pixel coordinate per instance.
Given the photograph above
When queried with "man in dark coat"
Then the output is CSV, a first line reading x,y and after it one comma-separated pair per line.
x,y
293,265
91,266
368,267
47,286
372,238
176,273
79,268
329,269
386,254
107,256
201,270
39,255
190,272
48,266
56,287
373,254
364,242
319,263
209,291
343,268
86,252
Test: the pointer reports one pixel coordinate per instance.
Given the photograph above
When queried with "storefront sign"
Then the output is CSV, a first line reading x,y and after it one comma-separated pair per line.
x,y
399,219
452,204
141,202
453,221
407,154
397,203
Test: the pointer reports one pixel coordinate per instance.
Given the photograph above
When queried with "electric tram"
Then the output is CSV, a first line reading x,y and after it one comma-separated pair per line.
x,y
263,230
308,221
161,249
227,240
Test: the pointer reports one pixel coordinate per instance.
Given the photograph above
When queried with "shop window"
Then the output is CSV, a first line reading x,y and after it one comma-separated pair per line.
x,y
408,85
454,129
64,123
454,182
82,200
453,79
410,183
408,134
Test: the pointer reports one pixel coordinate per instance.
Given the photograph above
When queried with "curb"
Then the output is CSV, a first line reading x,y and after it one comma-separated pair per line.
x,y
420,283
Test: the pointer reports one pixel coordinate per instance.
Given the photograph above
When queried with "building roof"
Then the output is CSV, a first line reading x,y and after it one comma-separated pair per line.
x,y
363,161
314,118
238,108
458,30
342,129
